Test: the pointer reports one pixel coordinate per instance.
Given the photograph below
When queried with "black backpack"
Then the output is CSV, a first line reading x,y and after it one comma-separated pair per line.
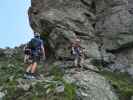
x,y
27,50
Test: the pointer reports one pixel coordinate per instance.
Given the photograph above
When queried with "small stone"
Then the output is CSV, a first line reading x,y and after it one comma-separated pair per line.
x,y
60,89
1,95
84,94
132,98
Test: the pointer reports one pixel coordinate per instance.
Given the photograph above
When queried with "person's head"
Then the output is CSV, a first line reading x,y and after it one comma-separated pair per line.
x,y
77,41
36,35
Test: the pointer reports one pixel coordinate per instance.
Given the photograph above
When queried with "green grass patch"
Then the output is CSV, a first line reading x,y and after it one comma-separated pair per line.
x,y
12,69
122,83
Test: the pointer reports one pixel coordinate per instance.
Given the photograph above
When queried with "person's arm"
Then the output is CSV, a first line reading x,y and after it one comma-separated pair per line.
x,y
43,50
73,51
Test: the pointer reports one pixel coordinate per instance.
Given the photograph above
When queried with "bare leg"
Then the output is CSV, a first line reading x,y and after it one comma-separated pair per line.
x,y
81,61
29,68
76,62
34,67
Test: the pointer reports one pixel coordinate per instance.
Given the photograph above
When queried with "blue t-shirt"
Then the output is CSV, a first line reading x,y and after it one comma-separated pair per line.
x,y
38,43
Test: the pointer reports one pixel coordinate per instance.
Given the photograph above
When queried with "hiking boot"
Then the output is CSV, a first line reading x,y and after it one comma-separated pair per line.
x,y
29,77
32,77
26,76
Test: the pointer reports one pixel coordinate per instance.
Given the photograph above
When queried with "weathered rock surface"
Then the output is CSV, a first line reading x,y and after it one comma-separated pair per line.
x,y
114,26
115,23
105,28
91,86
63,20
101,24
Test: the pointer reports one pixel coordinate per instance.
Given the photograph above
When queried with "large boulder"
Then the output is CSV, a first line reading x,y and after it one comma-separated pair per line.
x,y
104,27
114,23
63,20
114,27
45,15
91,86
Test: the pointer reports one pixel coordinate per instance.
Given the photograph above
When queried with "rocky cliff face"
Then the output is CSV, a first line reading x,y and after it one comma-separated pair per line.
x,y
105,28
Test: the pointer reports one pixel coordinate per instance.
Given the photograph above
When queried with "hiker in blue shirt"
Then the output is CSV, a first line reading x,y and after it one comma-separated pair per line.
x,y
37,50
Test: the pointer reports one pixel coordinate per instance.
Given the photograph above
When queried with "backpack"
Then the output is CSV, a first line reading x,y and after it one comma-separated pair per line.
x,y
27,50
35,46
32,44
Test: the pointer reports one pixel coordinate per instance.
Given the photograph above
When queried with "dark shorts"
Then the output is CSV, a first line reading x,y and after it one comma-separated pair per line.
x,y
35,58
76,56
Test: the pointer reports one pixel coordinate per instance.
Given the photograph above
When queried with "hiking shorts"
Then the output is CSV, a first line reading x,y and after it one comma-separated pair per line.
x,y
76,56
35,58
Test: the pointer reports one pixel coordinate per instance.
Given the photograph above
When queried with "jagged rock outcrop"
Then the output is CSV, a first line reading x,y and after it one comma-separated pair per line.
x,y
63,20
114,26
114,23
105,28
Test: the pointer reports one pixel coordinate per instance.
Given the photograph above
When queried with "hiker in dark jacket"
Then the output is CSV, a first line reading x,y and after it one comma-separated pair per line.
x,y
36,50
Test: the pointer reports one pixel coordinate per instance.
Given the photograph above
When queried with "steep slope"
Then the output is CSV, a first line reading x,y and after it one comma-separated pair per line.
x,y
63,82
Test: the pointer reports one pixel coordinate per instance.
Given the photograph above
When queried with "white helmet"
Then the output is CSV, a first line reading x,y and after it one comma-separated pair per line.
x,y
36,35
